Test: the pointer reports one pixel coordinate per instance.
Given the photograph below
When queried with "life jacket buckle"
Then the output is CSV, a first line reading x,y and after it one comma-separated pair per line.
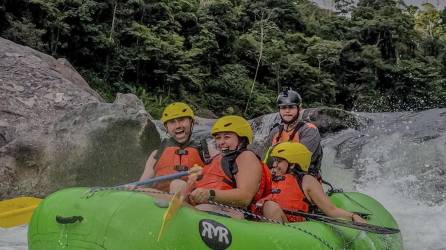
x,y
275,191
181,151
181,168
277,178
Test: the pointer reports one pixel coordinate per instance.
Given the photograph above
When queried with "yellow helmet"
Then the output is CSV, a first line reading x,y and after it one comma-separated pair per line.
x,y
294,153
176,110
235,124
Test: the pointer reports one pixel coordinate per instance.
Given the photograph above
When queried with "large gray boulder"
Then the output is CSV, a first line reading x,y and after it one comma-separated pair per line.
x,y
56,132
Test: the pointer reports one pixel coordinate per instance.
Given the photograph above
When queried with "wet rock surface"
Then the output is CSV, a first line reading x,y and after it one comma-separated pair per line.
x,y
55,131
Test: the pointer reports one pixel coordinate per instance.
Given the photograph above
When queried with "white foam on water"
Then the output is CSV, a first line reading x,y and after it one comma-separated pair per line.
x,y
401,175
14,238
422,226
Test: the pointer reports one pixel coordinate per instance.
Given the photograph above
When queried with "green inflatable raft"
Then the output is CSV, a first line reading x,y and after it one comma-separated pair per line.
x,y
113,219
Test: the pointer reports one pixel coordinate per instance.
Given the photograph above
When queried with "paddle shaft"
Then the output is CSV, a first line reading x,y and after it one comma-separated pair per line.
x,y
328,220
159,178
344,223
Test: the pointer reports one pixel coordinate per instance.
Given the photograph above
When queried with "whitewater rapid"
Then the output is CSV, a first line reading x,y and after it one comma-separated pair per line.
x,y
13,238
400,160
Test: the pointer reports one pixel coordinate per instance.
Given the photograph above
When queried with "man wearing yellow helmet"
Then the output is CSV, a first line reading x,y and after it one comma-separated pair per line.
x,y
293,189
236,176
294,129
177,153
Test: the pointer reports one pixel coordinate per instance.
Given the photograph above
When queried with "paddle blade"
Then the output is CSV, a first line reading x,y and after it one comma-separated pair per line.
x,y
17,211
174,205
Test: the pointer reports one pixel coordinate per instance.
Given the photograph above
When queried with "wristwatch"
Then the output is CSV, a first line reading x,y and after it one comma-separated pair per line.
x,y
353,215
211,194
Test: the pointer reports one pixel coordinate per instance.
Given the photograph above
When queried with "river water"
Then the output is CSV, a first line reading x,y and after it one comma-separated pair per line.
x,y
397,158
400,160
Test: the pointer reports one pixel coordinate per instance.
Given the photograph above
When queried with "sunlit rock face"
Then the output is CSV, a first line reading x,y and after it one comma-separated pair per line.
x,y
55,131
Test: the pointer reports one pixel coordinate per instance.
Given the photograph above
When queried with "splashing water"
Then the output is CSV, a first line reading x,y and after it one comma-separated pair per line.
x,y
13,238
400,160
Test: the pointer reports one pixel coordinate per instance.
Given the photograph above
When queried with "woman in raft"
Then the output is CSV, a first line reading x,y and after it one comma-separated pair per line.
x,y
236,176
294,189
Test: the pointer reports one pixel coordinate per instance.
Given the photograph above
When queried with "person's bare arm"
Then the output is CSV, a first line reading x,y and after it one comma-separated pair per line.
x,y
148,170
248,181
313,189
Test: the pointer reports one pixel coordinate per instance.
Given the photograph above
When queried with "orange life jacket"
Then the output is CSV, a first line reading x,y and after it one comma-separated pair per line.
x,y
173,158
292,135
219,175
287,192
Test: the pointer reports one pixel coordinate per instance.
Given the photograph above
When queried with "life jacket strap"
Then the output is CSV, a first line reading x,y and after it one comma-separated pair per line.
x,y
299,125
206,157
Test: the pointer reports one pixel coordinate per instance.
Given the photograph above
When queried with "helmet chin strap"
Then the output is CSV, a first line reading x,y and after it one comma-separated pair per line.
x,y
292,122
290,168
239,147
191,129
229,152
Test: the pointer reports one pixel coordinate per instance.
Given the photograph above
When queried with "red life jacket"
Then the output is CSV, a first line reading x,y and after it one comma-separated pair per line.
x,y
219,175
173,158
287,192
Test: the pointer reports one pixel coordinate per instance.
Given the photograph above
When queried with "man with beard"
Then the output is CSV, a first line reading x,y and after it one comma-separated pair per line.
x,y
294,129
178,152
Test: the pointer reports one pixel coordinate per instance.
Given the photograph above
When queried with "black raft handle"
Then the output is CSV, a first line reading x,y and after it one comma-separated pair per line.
x,y
68,220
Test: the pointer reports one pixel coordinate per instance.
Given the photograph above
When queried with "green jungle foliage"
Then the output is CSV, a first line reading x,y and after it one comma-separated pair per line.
x,y
233,56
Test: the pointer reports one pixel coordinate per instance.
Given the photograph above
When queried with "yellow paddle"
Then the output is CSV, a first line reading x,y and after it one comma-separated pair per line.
x,y
17,211
174,205
177,200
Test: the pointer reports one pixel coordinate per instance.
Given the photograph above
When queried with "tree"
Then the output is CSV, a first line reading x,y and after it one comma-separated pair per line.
x,y
387,25
344,7
326,53
428,21
232,56
356,76
263,21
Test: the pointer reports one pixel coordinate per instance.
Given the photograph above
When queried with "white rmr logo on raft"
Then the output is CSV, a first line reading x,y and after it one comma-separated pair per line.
x,y
209,231
214,234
